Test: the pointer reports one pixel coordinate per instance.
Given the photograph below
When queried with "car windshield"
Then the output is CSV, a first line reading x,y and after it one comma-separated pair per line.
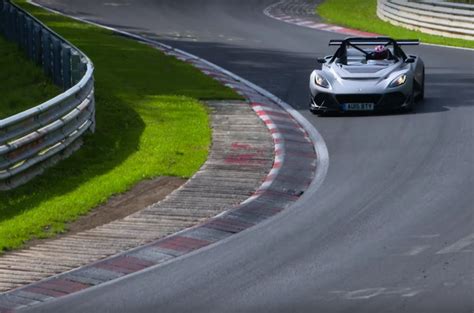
x,y
355,57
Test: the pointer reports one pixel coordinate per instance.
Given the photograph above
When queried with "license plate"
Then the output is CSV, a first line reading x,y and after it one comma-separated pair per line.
x,y
358,106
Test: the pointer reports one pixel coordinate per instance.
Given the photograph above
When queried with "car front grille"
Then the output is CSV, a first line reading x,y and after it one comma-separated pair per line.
x,y
393,99
359,98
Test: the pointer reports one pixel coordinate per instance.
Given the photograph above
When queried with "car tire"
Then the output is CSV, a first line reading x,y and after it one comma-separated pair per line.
x,y
410,106
407,109
421,94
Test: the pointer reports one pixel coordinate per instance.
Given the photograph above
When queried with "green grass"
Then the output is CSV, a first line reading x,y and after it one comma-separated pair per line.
x,y
362,15
149,123
23,85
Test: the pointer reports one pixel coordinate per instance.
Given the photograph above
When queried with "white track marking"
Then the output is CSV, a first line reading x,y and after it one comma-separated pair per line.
x,y
417,250
427,236
369,293
459,246
333,28
411,294
363,294
114,4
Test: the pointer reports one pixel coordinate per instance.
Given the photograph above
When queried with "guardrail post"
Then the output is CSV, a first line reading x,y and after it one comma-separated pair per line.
x,y
75,67
6,19
92,110
47,52
2,17
9,11
66,66
29,37
21,30
24,38
83,67
11,23
36,44
56,58
14,29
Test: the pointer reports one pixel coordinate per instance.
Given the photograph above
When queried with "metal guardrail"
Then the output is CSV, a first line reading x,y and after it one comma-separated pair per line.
x,y
41,136
434,17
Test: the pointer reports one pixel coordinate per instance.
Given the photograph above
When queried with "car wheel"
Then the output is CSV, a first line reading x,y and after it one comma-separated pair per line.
x,y
410,105
421,93
407,109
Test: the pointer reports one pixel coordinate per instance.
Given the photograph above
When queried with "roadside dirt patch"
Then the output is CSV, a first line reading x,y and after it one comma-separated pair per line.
x,y
139,197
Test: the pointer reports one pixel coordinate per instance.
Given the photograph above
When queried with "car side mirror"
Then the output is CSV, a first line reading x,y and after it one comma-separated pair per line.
x,y
321,60
410,60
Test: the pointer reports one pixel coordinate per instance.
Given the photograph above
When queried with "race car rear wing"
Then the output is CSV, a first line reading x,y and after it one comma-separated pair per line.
x,y
356,42
372,41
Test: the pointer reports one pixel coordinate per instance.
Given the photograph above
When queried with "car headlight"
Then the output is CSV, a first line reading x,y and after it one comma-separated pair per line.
x,y
321,81
400,80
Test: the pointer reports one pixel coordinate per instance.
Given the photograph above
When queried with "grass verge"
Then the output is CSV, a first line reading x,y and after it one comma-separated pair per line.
x,y
362,15
149,123
23,84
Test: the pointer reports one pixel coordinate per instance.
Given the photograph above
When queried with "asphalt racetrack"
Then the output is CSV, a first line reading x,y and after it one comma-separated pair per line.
x,y
391,229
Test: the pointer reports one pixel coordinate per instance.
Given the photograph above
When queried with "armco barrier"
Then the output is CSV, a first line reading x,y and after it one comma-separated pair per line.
x,y
434,17
39,137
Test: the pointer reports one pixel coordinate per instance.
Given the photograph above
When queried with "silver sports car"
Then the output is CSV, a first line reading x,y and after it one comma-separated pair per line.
x,y
367,74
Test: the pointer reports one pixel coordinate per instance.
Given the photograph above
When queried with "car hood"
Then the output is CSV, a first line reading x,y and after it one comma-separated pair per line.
x,y
375,70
